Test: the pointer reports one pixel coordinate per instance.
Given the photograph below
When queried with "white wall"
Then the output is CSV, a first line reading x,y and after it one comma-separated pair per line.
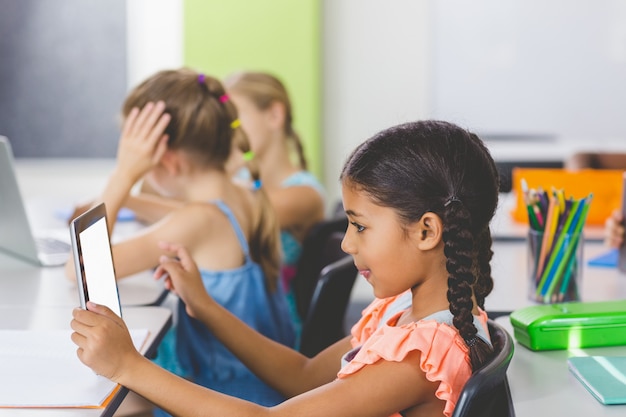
x,y
498,67
531,66
154,36
374,73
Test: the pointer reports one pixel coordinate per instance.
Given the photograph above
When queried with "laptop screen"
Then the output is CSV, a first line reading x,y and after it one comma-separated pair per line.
x,y
16,236
94,261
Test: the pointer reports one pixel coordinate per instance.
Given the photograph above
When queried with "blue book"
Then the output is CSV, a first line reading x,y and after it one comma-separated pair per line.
x,y
603,376
608,259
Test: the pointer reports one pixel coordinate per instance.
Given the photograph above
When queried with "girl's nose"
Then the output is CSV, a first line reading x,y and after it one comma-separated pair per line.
x,y
346,244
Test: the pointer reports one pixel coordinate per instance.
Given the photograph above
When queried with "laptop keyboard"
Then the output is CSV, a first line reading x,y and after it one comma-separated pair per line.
x,y
49,245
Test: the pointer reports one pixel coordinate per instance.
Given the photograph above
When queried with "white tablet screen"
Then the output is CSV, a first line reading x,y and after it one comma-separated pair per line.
x,y
98,266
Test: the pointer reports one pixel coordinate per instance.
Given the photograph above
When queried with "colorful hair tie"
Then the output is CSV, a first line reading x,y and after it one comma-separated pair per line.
x,y
235,124
224,98
201,78
248,156
256,185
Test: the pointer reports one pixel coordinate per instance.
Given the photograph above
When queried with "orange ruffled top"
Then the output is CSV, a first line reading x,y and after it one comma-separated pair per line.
x,y
444,355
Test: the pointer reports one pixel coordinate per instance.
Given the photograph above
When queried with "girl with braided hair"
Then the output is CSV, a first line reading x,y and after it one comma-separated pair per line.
x,y
419,198
179,130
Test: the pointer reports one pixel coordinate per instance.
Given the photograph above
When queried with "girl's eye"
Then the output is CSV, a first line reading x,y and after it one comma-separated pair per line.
x,y
358,227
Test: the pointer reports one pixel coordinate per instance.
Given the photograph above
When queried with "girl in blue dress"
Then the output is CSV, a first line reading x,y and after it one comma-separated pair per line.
x,y
179,131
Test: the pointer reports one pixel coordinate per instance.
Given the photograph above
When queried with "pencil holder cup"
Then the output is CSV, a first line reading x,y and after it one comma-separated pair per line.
x,y
554,266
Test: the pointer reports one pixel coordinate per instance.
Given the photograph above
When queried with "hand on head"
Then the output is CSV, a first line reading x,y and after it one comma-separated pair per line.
x,y
614,230
104,343
181,276
143,141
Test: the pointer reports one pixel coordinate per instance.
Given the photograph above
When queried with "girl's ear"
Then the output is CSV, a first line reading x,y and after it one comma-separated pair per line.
x,y
428,231
171,162
276,114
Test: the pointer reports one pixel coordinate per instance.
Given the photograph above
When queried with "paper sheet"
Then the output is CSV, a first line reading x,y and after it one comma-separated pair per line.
x,y
40,368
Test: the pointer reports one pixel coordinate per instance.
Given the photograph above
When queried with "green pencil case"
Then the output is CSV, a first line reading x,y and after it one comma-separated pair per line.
x,y
570,325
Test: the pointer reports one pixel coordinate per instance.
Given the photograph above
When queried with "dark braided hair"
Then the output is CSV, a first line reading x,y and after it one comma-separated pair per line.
x,y
438,167
484,285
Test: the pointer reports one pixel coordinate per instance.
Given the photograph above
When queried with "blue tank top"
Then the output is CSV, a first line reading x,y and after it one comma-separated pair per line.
x,y
291,247
242,291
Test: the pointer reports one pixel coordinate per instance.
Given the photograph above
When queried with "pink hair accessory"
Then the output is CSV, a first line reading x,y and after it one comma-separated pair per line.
x,y
224,98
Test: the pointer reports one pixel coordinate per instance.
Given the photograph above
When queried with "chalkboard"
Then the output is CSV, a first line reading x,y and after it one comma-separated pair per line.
x,y
62,76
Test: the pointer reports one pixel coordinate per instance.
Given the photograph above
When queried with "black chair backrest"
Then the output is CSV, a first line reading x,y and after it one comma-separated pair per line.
x,y
321,247
324,324
487,392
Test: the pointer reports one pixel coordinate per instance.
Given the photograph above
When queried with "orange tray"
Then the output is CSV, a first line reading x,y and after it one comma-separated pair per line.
x,y
605,184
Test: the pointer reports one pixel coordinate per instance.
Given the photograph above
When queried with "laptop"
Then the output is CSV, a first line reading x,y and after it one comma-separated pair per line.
x,y
16,236
93,259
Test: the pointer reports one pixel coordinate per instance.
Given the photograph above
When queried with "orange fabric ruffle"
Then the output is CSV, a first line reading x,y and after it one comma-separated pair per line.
x,y
444,355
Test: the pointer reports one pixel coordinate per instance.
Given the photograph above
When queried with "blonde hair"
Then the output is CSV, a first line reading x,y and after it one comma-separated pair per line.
x,y
264,89
204,125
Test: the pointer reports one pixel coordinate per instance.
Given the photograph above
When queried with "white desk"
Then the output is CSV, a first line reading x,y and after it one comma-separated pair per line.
x,y
33,285
156,319
32,297
26,285
542,385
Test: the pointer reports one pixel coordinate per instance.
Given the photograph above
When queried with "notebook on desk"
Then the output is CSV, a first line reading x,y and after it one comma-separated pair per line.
x,y
17,237
603,376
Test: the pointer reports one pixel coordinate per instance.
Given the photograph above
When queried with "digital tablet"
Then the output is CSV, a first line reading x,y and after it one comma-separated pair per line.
x,y
93,259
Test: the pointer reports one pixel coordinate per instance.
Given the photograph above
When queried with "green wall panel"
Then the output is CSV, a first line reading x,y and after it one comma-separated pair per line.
x,y
278,36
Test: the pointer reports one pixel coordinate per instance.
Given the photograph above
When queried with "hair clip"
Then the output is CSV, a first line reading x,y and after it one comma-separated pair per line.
x,y
256,185
235,124
223,98
201,78
453,199
248,156
471,342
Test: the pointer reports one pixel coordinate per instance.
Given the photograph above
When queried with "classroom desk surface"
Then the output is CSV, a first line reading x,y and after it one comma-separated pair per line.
x,y
26,284
542,385
156,319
